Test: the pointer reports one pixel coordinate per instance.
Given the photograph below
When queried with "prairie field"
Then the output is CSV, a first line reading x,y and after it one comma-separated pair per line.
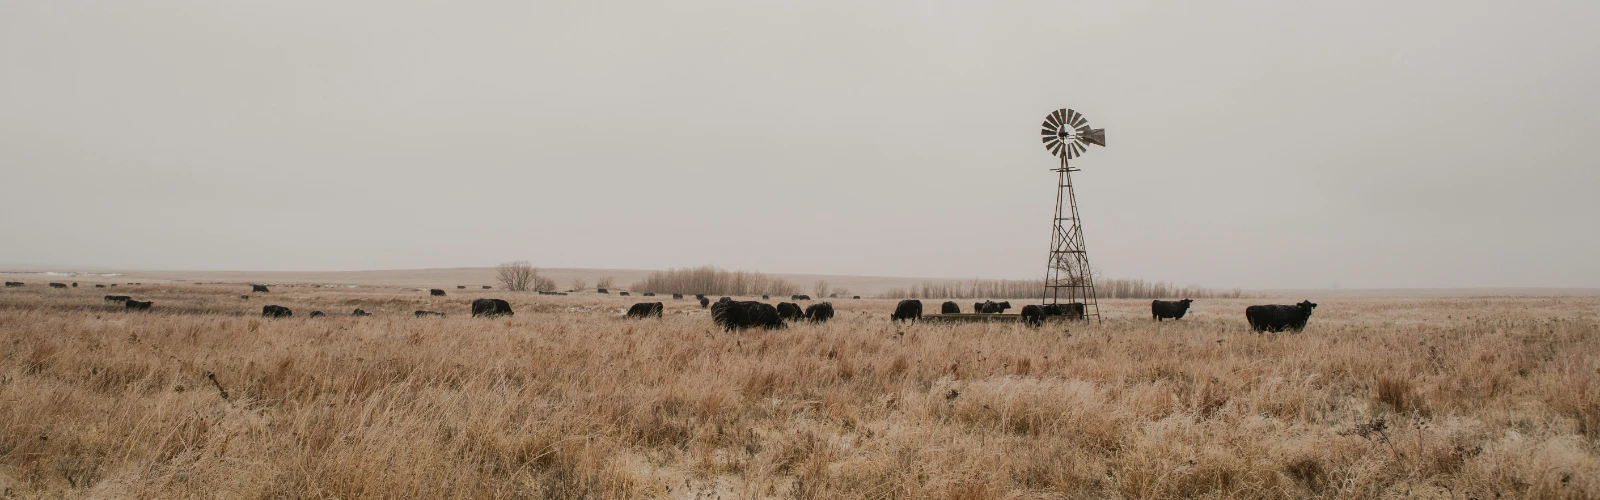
x,y
1465,395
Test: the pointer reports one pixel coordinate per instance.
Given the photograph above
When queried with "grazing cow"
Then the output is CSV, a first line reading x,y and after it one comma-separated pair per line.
x,y
677,296
436,292
699,296
1034,314
704,302
645,310
731,314
13,284
491,308
622,294
461,287
117,298
275,311
359,312
764,297
1277,318
949,307
316,314
1175,309
907,310
97,285
420,314
601,290
991,307
820,312
58,285
649,294
258,288
74,284
134,305
799,297
487,287
856,297
790,311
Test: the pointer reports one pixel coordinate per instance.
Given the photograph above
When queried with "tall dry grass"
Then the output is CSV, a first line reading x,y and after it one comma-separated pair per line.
x,y
1033,289
1472,397
711,280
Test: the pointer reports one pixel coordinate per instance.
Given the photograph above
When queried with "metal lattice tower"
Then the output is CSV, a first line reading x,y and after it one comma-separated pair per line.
x,y
1067,273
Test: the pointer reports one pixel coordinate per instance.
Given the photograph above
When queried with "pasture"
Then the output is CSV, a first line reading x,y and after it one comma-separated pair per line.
x,y
1462,396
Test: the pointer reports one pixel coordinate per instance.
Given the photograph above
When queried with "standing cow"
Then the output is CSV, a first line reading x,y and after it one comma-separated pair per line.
x,y
820,312
949,307
436,292
134,305
258,288
1277,317
907,310
790,311
491,308
1175,309
275,311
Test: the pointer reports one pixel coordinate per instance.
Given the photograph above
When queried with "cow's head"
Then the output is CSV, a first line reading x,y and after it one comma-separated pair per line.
x,y
1306,306
1186,302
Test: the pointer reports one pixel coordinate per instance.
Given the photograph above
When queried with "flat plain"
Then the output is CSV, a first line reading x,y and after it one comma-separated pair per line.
x,y
1448,395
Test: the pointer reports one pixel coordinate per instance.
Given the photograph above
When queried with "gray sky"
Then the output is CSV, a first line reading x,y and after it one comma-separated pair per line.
x,y
1254,144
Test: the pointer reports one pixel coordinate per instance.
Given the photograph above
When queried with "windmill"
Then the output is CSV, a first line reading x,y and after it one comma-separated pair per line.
x,y
1067,276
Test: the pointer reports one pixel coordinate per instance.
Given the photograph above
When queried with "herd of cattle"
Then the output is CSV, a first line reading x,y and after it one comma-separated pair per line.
x,y
735,314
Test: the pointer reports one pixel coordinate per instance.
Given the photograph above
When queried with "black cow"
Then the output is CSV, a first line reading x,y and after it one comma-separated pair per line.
x,y
856,297
645,310
704,302
12,284
245,297
907,310
97,285
677,296
258,288
649,294
731,314
58,285
699,296
790,311
820,312
316,314
949,307
117,298
1175,309
113,285
1277,318
275,311
1034,314
622,294
491,308
74,284
134,305
487,287
436,292
420,314
461,287
764,297
991,307
359,312
799,297
601,290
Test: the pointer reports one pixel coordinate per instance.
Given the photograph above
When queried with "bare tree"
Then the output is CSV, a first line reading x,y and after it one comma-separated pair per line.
x,y
603,282
579,284
516,276
821,289
543,284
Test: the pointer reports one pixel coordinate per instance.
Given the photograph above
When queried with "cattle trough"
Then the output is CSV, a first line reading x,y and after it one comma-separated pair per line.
x,y
972,318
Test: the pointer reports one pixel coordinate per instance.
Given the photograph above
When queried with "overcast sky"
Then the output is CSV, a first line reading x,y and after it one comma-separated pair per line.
x,y
1253,144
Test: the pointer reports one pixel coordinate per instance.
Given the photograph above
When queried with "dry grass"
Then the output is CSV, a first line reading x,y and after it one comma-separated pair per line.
x,y
1380,397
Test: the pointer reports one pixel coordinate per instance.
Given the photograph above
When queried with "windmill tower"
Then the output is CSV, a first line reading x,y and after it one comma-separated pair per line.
x,y
1068,281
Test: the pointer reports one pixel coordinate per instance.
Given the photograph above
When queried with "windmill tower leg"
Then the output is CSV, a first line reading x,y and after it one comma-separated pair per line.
x,y
1067,274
